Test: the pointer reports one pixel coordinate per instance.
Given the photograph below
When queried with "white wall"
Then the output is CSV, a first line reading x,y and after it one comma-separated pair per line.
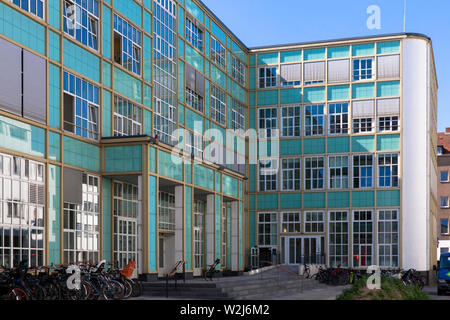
x,y
415,154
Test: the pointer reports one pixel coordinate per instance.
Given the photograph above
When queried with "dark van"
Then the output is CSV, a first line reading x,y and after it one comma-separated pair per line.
x,y
443,285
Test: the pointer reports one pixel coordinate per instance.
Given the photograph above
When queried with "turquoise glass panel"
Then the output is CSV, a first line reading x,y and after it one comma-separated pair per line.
x,y
314,146
106,131
218,182
388,198
207,97
194,58
314,94
181,87
362,144
81,154
194,121
388,47
54,214
314,200
54,13
252,229
195,10
338,52
388,89
217,32
237,51
338,199
181,23
218,77
290,96
252,78
147,22
252,60
338,145
107,231
363,49
152,159
363,90
252,178
53,46
147,96
127,85
388,142
147,122
290,147
107,33
291,201
123,159
267,201
314,54
168,167
266,98
54,95
22,137
181,48
31,35
363,199
291,56
106,78
230,186
188,173
130,9
252,99
147,59
81,60
239,93
54,146
188,226
268,58
152,222
339,92
203,177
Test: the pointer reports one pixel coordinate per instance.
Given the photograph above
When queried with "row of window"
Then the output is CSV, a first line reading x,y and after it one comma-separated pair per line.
x,y
340,173
335,71
338,116
339,246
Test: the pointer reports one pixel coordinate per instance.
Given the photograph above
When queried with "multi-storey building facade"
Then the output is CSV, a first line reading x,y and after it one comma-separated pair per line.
x,y
443,161
114,116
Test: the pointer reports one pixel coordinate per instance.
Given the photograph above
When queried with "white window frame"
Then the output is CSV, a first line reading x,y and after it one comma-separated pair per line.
x,y
360,176
238,116
448,229
238,70
29,7
269,79
291,121
314,222
340,125
358,76
268,126
387,218
394,180
336,225
166,211
338,169
124,119
218,53
273,229
263,178
218,105
444,202
314,171
440,176
289,174
194,35
291,222
314,129
358,122
388,123
363,235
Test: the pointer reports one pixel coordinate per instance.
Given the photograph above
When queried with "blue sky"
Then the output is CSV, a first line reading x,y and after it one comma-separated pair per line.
x,y
270,22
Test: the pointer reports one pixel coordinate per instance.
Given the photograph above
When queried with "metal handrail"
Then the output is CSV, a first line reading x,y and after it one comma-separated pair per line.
x,y
281,268
298,277
173,271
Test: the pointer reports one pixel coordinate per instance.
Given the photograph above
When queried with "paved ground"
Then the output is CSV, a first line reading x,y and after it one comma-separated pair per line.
x,y
433,293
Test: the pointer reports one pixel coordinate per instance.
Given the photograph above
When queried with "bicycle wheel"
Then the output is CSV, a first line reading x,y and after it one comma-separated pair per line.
x,y
112,290
128,285
137,288
17,294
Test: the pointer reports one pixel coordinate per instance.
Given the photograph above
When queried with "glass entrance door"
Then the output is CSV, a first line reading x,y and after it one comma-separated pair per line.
x,y
299,250
199,213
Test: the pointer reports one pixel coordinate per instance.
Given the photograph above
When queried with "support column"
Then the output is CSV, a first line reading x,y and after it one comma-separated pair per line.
x,y
235,236
140,248
179,204
210,229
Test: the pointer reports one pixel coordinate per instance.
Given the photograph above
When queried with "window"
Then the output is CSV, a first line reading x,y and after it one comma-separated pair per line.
x,y
314,72
35,7
267,229
81,21
194,144
127,45
81,107
218,53
267,77
444,202
127,118
268,122
199,246
338,241
314,222
388,170
125,222
338,117
291,74
362,125
290,174
218,105
388,66
362,69
440,150
194,35
444,176
165,71
338,71
314,120
444,226
388,238
82,224
194,100
362,238
338,172
268,175
238,70
238,117
362,171
314,173
22,202
291,222
166,207
388,123
290,121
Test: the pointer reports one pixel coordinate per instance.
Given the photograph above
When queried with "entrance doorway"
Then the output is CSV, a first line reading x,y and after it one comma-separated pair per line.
x,y
166,254
303,250
199,216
